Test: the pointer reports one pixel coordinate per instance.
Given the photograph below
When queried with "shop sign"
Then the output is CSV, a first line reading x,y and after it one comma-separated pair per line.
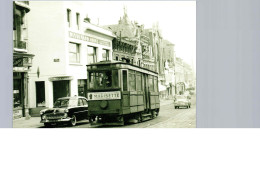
x,y
60,78
16,91
20,69
104,95
87,38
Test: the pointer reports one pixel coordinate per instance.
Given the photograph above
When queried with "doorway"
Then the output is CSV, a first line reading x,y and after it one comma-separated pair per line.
x,y
61,89
40,94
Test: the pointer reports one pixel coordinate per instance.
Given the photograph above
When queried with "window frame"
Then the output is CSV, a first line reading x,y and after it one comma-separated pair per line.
x,y
93,55
69,17
77,53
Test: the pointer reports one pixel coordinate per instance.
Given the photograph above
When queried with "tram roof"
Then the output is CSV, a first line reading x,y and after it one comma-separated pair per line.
x,y
120,62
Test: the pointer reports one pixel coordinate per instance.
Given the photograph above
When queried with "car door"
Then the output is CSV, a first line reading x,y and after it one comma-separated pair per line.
x,y
85,108
80,109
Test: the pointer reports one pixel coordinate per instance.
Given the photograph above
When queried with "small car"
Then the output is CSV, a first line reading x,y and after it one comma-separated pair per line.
x,y
66,110
182,101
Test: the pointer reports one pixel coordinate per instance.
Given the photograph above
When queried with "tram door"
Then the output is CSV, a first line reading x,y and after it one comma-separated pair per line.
x,y
146,91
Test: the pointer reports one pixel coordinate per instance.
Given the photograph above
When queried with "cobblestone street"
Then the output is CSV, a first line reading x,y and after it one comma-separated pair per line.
x,y
168,118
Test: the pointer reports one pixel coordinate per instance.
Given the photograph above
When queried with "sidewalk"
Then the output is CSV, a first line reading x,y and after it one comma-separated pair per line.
x,y
33,122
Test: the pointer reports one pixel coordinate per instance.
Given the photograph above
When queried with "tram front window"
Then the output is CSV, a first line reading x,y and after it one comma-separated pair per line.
x,y
103,79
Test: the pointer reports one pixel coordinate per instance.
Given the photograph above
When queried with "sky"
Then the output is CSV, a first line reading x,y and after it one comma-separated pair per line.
x,y
177,20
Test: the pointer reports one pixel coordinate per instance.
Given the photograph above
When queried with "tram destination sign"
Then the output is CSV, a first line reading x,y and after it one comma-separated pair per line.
x,y
104,95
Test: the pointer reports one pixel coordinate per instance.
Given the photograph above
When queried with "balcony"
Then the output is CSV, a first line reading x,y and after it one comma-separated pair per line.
x,y
20,45
22,59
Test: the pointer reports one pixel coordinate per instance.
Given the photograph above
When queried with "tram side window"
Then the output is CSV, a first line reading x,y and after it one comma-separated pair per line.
x,y
138,82
155,84
132,81
151,84
124,80
91,80
115,78
99,80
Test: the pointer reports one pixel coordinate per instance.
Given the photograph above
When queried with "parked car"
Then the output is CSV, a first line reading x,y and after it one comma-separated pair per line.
x,y
66,110
182,101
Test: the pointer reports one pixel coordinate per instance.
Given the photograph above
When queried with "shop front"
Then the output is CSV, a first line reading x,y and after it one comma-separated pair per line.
x,y
21,64
61,86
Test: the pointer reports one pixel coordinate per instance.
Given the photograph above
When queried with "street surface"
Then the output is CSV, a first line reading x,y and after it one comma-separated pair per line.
x,y
169,117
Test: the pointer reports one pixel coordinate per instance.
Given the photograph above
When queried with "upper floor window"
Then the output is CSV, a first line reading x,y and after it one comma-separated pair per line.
x,y
74,51
92,54
69,17
105,54
78,20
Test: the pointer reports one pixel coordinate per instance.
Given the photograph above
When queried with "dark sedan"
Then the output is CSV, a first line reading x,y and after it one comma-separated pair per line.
x,y
66,110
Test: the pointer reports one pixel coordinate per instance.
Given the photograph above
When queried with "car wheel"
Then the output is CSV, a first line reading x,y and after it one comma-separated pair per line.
x,y
175,107
73,120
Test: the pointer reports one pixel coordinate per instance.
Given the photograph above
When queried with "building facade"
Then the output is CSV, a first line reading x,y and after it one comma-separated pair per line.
x,y
22,59
169,65
64,42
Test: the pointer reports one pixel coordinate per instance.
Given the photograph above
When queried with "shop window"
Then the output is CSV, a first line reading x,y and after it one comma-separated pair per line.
x,y
105,54
82,87
92,54
74,50
17,93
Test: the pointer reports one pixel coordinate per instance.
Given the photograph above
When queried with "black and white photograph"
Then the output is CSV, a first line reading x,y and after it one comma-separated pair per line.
x,y
104,64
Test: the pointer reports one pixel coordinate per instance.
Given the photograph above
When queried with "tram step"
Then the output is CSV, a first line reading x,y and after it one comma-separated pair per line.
x,y
146,115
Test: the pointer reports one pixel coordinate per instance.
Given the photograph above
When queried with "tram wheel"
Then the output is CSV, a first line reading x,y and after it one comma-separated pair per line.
x,y
139,118
157,112
121,120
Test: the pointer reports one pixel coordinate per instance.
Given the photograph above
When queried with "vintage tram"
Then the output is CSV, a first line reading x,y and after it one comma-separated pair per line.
x,y
119,92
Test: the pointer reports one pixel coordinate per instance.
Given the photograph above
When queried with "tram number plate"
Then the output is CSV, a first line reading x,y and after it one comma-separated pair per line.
x,y
104,95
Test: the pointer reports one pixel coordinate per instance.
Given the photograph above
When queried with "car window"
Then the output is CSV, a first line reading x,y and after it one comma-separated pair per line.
x,y
80,103
84,102
61,103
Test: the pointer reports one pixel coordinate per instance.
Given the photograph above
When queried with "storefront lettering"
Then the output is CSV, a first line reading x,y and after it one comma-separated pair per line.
x,y
60,78
89,39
